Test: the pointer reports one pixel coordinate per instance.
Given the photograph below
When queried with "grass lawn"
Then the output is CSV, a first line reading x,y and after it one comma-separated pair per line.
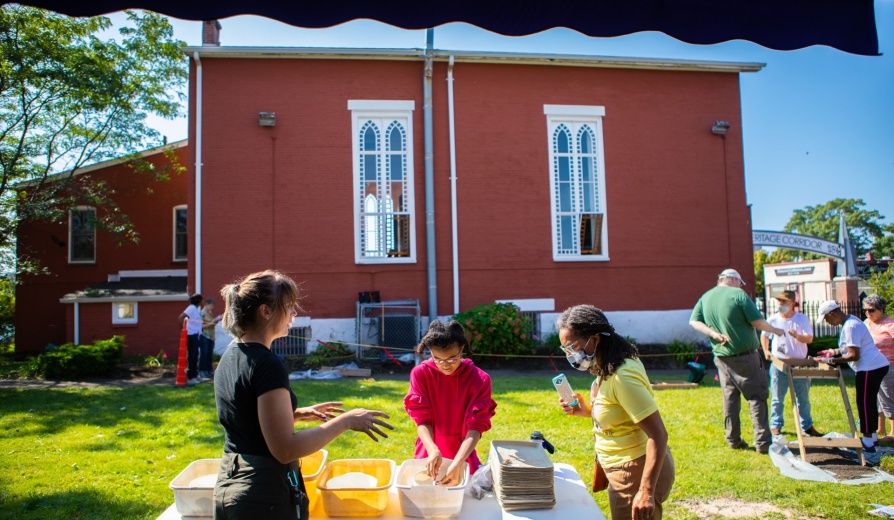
x,y
110,453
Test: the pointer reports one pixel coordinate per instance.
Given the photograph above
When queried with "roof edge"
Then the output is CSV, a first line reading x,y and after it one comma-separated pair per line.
x,y
566,60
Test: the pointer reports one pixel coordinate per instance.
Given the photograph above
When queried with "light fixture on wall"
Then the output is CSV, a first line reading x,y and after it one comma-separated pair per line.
x,y
719,127
266,118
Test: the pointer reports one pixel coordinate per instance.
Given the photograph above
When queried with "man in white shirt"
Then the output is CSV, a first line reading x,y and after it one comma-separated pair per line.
x,y
791,345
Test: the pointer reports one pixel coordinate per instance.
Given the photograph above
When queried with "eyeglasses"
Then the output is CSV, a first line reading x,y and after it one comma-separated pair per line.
x,y
447,362
567,349
869,311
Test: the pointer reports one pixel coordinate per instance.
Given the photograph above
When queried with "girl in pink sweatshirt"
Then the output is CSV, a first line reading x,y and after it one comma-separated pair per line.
x,y
450,401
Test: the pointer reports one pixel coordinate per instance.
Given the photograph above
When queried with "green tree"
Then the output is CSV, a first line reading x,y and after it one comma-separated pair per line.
x,y
864,226
69,99
7,311
882,283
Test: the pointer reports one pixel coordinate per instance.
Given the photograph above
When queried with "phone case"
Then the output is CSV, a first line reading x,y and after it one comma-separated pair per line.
x,y
564,389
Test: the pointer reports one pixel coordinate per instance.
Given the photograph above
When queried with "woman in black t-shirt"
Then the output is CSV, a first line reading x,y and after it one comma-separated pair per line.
x,y
258,409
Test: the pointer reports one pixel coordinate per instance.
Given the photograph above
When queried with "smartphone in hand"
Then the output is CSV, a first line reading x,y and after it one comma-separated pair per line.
x,y
564,389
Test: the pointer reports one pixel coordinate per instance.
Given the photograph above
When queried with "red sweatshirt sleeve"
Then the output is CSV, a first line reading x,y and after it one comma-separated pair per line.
x,y
482,407
416,404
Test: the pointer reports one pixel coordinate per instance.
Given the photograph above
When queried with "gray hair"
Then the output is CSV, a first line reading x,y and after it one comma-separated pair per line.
x,y
876,301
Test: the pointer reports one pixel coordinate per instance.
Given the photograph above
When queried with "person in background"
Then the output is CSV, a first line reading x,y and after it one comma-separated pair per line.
x,y
450,401
631,439
193,333
258,410
881,327
855,346
791,345
729,317
206,342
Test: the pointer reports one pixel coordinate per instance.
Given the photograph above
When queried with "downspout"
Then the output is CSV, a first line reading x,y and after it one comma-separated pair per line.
x,y
429,177
77,324
453,217
198,209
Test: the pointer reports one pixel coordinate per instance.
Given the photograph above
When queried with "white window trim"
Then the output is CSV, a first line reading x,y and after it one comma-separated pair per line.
x,y
556,114
382,109
174,256
125,321
70,242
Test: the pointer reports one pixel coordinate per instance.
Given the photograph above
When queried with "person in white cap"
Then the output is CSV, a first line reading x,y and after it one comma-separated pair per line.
x,y
856,347
728,316
792,345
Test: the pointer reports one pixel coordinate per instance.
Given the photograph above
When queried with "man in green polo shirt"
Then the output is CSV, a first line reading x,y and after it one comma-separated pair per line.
x,y
727,315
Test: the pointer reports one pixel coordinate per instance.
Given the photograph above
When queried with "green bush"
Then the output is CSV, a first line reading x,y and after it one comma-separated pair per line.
x,y
497,328
683,351
332,353
72,361
551,342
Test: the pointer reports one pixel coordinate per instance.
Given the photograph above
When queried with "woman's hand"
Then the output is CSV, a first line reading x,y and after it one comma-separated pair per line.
x,y
824,353
580,409
643,505
367,421
454,475
318,412
433,464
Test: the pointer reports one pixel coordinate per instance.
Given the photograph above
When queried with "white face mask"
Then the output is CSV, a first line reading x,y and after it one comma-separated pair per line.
x,y
579,360
784,308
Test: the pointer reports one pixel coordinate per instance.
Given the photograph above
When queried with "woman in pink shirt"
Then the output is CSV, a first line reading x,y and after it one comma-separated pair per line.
x,y
450,401
881,326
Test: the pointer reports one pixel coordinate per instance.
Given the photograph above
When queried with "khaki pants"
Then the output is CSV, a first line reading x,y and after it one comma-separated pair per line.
x,y
742,376
623,484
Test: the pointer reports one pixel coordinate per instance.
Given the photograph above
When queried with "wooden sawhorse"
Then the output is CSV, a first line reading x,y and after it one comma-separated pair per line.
x,y
808,368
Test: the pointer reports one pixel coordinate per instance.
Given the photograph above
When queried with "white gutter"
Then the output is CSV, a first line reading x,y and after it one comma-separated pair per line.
x,y
572,60
77,324
123,298
198,208
453,218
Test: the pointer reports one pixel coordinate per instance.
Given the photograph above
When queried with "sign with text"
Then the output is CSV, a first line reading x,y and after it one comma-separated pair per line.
x,y
800,242
794,271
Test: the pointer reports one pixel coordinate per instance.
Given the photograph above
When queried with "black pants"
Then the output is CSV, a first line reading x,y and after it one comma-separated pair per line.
x,y
250,487
868,383
192,356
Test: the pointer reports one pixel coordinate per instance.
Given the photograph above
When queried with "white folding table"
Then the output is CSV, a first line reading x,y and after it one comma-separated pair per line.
x,y
573,500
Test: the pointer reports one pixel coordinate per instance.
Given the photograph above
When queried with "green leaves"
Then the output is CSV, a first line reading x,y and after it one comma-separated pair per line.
x,y
823,221
69,98
496,328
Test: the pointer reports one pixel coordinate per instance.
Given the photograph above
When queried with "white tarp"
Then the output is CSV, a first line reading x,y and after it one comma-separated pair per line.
x,y
791,466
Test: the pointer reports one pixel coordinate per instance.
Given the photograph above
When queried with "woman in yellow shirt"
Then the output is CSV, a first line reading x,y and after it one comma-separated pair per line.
x,y
631,440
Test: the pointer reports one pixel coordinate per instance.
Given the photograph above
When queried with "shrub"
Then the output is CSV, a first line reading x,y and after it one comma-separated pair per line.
x,y
551,342
72,361
683,351
326,354
497,328
822,343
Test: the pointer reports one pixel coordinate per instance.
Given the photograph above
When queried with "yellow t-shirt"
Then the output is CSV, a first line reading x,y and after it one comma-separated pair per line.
x,y
624,399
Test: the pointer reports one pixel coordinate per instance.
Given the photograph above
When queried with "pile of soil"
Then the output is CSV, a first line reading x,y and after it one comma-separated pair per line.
x,y
836,461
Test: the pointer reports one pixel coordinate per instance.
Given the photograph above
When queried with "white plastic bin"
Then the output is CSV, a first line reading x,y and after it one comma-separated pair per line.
x,y
429,501
194,488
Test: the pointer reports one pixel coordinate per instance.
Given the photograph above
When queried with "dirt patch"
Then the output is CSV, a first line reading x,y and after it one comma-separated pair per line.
x,y
733,508
837,461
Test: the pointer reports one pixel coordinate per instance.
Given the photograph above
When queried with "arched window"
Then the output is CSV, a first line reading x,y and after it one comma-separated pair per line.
x,y
384,182
577,183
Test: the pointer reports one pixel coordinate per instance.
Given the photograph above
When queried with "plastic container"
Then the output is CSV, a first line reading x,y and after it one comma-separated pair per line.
x,y
370,501
194,489
311,468
426,500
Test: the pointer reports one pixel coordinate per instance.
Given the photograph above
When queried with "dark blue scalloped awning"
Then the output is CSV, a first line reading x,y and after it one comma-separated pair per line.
x,y
848,25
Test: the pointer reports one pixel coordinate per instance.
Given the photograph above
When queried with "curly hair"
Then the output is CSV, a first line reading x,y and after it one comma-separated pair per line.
x,y
443,335
876,301
614,349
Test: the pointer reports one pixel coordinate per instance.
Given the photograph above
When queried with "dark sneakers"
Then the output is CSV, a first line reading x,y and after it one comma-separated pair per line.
x,y
763,450
740,445
812,432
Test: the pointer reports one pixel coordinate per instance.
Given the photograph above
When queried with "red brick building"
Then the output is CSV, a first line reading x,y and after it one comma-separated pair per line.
x,y
578,179
97,288
572,179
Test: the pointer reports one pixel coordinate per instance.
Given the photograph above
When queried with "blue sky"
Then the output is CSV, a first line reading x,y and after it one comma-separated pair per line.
x,y
818,123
